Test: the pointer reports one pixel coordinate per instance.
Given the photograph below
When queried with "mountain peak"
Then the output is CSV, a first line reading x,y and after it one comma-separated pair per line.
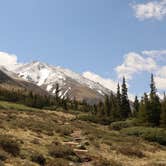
x,y
71,83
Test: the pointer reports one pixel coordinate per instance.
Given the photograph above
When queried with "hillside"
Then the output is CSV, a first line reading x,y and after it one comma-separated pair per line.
x,y
9,80
32,137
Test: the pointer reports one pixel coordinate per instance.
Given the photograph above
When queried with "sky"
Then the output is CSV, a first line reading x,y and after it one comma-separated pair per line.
x,y
103,39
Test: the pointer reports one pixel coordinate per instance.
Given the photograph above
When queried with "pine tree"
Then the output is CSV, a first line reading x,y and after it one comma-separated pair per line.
x,y
75,104
107,106
94,110
125,105
136,106
100,110
153,89
144,109
57,91
114,108
163,112
154,112
118,102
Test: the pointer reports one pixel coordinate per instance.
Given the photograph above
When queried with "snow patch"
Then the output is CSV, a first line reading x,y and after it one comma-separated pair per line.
x,y
49,87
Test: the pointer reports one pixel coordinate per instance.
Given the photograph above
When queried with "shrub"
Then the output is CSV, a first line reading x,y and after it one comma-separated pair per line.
x,y
95,119
10,145
131,152
58,162
148,133
35,141
118,125
3,155
38,158
62,151
1,163
64,130
122,124
105,162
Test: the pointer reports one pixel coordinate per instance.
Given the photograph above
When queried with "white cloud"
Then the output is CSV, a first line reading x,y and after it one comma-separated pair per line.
x,y
134,63
131,96
160,82
8,60
161,95
160,78
154,53
106,82
147,61
151,10
161,72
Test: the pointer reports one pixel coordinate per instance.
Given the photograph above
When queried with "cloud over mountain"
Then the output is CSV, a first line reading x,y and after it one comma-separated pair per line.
x,y
133,63
106,82
8,60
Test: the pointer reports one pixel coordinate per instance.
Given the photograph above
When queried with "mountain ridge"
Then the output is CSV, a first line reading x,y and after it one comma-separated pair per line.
x,y
10,81
72,84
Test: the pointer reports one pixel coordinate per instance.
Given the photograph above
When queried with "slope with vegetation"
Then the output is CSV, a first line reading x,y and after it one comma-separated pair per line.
x,y
36,137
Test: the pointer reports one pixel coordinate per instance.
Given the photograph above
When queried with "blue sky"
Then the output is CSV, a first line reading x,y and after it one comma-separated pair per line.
x,y
87,35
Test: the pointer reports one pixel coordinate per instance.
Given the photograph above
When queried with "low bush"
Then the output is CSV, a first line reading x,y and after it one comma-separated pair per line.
x,y
105,162
122,124
148,133
10,145
131,152
38,158
62,151
1,163
118,125
3,155
64,130
58,162
95,119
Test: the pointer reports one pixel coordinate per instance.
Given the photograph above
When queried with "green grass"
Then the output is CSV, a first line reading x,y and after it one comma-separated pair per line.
x,y
20,107
147,133
94,119
123,124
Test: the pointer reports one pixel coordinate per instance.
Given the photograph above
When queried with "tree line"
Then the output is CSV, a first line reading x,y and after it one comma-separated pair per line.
x,y
149,111
115,106
36,100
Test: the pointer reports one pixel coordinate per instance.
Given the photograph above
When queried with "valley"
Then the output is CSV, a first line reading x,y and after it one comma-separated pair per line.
x,y
83,83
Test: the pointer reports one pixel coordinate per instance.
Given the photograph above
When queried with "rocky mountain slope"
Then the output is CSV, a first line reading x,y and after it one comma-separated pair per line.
x,y
10,80
72,84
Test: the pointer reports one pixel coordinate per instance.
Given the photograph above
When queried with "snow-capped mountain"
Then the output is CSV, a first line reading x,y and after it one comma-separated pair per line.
x,y
72,84
10,81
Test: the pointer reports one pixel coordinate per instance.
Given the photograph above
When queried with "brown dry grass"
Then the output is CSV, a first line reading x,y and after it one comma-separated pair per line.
x,y
37,130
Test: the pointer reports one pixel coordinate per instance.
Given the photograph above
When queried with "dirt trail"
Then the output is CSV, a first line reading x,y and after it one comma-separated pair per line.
x,y
79,145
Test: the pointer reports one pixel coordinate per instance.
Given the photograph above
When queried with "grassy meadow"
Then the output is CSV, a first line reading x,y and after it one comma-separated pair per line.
x,y
33,137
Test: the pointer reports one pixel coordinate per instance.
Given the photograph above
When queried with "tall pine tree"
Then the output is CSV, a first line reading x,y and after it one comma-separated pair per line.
x,y
136,106
125,105
144,109
155,110
163,112
107,106
118,102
